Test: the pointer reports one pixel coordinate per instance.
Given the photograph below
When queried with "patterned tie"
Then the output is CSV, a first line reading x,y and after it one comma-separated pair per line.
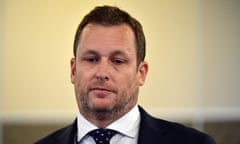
x,y
102,136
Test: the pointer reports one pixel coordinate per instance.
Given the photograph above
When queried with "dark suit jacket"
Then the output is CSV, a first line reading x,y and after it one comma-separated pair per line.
x,y
152,131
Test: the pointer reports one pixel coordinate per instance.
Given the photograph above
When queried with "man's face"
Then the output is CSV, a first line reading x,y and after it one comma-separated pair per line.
x,y
105,72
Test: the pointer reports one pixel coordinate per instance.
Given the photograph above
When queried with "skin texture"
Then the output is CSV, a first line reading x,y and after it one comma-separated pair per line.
x,y
105,73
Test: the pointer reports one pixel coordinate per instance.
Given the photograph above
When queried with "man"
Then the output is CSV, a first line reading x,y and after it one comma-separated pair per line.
x,y
107,70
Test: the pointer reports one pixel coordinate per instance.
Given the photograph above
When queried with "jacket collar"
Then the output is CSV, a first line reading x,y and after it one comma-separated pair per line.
x,y
150,128
149,131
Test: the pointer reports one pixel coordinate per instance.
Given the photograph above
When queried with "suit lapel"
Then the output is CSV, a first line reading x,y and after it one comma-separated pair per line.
x,y
150,129
68,135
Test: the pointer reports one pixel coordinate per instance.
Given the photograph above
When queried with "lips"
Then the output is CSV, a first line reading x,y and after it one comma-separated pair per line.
x,y
102,90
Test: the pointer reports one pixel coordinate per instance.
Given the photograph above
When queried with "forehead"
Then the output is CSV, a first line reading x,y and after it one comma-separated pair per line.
x,y
106,38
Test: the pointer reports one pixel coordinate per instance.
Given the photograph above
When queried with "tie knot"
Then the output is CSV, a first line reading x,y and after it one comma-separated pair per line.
x,y
102,136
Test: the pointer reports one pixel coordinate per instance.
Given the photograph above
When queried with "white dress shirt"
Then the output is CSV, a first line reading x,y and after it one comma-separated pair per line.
x,y
127,126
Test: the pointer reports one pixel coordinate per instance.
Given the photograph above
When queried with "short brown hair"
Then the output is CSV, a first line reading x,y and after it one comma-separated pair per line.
x,y
110,15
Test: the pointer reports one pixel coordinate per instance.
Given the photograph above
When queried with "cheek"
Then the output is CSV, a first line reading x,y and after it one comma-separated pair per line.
x,y
128,83
80,80
81,74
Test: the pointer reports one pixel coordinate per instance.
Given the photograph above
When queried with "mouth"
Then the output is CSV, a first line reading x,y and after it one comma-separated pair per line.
x,y
101,90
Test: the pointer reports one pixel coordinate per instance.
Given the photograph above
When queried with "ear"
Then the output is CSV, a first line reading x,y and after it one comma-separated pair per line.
x,y
73,69
142,72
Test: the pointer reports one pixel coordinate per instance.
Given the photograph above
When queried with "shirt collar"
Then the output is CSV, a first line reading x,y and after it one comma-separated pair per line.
x,y
127,125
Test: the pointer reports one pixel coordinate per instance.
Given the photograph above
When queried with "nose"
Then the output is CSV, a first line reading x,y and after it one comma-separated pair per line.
x,y
102,72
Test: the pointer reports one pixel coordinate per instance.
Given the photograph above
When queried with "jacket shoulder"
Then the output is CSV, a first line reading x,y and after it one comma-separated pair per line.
x,y
187,134
61,136
170,132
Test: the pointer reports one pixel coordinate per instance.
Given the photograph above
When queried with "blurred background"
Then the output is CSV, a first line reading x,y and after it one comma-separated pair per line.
x,y
193,49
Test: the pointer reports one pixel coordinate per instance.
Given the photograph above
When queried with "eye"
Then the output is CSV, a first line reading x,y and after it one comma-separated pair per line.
x,y
118,61
91,59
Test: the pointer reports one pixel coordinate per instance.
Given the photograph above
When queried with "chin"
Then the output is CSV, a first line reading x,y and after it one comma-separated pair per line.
x,y
101,107
101,104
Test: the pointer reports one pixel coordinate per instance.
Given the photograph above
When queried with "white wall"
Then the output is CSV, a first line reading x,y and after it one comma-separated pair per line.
x,y
192,48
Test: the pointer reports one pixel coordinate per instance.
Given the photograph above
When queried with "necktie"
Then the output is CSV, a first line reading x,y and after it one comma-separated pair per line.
x,y
102,136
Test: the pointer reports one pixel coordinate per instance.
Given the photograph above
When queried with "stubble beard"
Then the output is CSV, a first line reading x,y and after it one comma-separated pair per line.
x,y
110,113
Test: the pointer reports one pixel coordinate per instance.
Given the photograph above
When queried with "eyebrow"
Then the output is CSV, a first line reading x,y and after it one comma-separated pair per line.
x,y
93,52
118,52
